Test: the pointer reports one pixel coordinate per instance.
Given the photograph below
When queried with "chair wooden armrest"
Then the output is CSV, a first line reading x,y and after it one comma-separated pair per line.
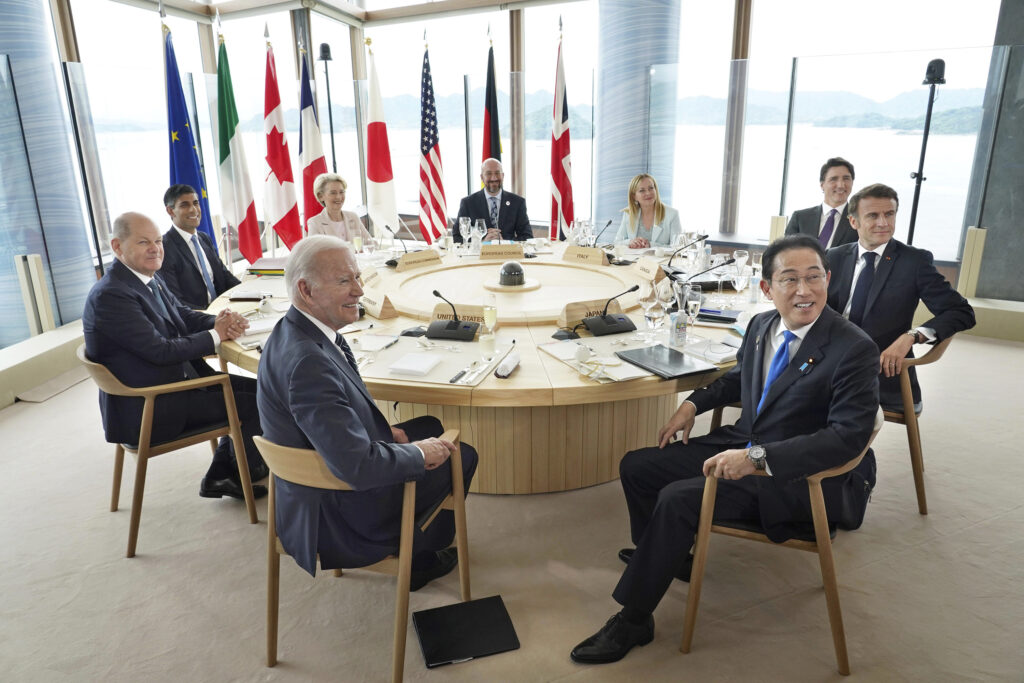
x,y
934,353
110,384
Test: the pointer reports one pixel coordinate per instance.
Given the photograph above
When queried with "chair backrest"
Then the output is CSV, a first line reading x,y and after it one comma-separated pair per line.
x,y
103,377
299,465
850,464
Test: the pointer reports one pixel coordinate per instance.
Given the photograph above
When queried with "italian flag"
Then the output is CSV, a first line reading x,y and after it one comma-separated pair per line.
x,y
237,200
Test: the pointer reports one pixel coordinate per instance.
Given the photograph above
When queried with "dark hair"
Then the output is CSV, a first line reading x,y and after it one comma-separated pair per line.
x,y
785,244
175,191
876,191
835,161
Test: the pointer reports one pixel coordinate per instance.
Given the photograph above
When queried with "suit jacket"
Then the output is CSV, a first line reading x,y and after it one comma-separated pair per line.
x,y
512,220
181,272
320,224
808,222
310,397
125,332
819,413
662,233
907,276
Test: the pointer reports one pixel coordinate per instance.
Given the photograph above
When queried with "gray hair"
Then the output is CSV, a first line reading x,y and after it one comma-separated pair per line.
x,y
300,261
122,228
322,180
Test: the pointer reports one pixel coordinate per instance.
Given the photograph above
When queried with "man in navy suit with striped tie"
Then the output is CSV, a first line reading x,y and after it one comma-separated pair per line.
x,y
141,332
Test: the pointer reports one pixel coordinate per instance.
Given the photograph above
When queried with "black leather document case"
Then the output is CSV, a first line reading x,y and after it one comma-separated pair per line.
x,y
665,362
464,630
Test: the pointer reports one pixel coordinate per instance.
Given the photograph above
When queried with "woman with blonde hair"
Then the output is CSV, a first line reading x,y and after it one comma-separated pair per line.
x,y
646,221
329,189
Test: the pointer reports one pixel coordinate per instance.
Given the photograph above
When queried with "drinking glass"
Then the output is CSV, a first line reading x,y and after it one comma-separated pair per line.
x,y
741,256
357,242
490,310
654,314
479,230
692,298
740,279
716,262
755,262
465,230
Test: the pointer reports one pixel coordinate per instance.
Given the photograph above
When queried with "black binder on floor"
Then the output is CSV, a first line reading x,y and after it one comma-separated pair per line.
x,y
464,630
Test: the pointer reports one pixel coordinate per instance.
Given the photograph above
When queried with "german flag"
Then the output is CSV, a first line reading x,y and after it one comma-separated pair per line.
x,y
492,137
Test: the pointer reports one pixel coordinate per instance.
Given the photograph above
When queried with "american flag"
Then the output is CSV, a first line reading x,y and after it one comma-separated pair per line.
x,y
433,210
561,166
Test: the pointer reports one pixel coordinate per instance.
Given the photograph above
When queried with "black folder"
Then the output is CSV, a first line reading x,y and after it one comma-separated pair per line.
x,y
665,362
464,630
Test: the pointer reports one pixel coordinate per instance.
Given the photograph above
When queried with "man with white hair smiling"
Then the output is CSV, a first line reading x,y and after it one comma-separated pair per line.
x,y
310,395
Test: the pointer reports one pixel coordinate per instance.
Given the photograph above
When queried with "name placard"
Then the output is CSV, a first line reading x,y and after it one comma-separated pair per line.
x,y
591,255
418,259
371,278
575,311
649,269
501,251
442,311
377,304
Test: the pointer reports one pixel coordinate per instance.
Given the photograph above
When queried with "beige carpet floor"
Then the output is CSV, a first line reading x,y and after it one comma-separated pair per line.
x,y
936,598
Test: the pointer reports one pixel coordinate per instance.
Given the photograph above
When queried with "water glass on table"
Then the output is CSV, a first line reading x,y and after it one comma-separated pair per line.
x,y
465,230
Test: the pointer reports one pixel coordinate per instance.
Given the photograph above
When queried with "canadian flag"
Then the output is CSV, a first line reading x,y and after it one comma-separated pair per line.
x,y
311,149
280,210
380,184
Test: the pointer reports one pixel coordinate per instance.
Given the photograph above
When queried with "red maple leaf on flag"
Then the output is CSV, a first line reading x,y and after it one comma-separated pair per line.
x,y
277,156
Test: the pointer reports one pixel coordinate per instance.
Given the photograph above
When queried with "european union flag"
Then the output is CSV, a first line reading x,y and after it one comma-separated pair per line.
x,y
182,144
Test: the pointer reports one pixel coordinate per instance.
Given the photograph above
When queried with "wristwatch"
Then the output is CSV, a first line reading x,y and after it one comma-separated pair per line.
x,y
757,455
914,334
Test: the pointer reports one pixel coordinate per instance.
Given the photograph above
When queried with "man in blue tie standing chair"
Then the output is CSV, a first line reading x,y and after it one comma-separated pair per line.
x,y
882,299
141,332
311,396
192,270
503,212
808,383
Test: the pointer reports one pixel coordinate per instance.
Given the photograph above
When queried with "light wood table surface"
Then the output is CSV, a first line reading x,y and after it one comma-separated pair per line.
x,y
546,427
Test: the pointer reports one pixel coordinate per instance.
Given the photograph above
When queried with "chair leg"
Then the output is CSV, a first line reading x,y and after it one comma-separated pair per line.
x,y
338,572
273,579
716,418
402,587
828,577
115,492
700,556
213,446
461,538
141,462
917,462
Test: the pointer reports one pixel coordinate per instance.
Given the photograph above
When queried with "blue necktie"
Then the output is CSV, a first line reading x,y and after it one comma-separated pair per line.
x,y
826,230
861,289
202,267
347,350
494,212
161,307
779,362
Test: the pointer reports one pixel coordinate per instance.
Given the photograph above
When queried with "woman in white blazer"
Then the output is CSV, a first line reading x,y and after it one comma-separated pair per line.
x,y
646,222
329,189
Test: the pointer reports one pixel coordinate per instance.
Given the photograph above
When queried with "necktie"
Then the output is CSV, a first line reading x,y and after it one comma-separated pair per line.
x,y
861,289
347,350
202,267
161,307
779,362
494,212
826,230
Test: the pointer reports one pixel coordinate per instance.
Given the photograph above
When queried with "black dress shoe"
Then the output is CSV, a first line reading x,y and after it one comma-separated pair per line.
x,y
446,561
258,471
613,641
218,488
626,554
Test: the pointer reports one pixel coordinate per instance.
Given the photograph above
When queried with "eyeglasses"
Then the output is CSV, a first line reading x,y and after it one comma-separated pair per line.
x,y
790,282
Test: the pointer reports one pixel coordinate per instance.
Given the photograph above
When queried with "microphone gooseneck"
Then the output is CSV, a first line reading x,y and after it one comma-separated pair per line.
x,y
685,246
729,261
631,289
601,231
393,234
455,315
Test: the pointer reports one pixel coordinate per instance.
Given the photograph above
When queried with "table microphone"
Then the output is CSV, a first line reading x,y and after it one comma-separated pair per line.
x,y
603,324
601,231
461,330
675,271
393,263
685,246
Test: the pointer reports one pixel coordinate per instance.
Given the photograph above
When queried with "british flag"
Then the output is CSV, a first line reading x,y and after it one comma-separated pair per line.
x,y
433,210
561,166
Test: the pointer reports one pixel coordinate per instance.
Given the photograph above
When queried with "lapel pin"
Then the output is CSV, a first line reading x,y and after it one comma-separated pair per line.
x,y
508,203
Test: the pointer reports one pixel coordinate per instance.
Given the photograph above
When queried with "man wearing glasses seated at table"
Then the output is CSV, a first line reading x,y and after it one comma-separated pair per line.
x,y
808,383
310,395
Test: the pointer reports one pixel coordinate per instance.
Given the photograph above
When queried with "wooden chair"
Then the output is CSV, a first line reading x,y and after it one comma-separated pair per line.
x,y
306,467
909,418
716,415
821,543
145,450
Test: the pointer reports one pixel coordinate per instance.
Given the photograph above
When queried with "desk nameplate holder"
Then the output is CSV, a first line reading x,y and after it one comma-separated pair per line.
x,y
575,311
649,269
370,276
418,259
504,252
473,314
377,304
590,255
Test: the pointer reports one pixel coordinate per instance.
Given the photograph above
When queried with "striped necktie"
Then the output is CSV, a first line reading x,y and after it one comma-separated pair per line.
x,y
347,350
494,212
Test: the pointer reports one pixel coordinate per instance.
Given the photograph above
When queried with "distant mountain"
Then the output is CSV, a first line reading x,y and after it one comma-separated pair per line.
x,y
963,121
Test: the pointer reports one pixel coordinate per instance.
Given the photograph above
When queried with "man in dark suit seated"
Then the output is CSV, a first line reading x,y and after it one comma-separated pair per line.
x,y
310,395
828,222
192,270
503,212
882,299
808,383
141,332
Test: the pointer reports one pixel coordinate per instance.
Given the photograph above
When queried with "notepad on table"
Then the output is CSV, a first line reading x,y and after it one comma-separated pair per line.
x,y
415,364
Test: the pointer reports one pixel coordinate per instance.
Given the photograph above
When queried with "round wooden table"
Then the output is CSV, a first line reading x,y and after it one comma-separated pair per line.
x,y
546,427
